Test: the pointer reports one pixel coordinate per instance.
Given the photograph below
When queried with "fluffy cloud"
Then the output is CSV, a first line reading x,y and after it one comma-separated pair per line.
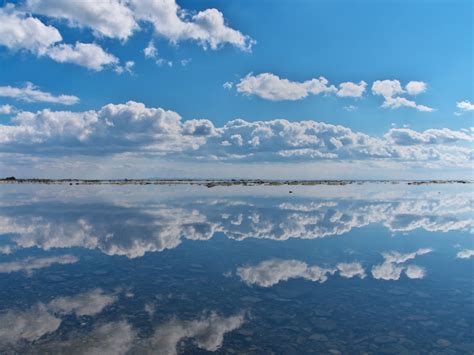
x,y
271,87
349,89
272,272
207,332
20,31
464,106
406,136
31,93
31,264
6,109
173,23
88,55
393,266
415,87
465,254
392,89
109,18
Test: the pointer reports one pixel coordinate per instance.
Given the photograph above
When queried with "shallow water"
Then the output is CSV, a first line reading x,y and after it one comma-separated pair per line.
x,y
370,268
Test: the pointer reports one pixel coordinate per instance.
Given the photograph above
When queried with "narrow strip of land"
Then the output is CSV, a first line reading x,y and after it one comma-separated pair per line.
x,y
219,182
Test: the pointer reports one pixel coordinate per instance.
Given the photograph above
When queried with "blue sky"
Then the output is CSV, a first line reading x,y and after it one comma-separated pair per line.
x,y
266,52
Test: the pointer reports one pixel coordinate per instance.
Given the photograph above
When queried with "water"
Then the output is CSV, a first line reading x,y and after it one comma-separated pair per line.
x,y
370,268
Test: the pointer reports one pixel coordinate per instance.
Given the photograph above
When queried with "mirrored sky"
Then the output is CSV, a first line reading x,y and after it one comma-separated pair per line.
x,y
375,267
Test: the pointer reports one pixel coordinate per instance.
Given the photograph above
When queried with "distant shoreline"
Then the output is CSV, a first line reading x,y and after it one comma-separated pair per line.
x,y
220,182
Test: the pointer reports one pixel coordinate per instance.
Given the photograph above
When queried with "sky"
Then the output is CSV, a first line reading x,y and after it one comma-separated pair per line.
x,y
237,89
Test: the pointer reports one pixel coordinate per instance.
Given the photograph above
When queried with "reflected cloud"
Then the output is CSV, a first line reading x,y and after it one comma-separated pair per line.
x,y
134,229
350,270
465,254
109,338
28,265
271,272
207,333
393,266
86,304
30,325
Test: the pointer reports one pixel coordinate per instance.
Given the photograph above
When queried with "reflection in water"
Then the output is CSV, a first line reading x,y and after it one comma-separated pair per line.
x,y
465,254
28,265
152,227
137,270
392,267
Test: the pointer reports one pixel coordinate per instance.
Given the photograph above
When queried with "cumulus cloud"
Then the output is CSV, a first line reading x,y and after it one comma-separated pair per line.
x,y
31,264
406,136
464,106
272,272
88,55
394,265
206,27
415,87
20,31
465,254
109,18
86,304
6,109
31,93
207,332
349,89
391,90
271,87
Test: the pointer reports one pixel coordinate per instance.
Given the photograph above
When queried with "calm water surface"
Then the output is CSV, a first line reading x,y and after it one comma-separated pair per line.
x,y
372,268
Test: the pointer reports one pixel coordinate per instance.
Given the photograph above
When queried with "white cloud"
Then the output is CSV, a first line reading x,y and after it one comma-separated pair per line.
x,y
207,332
228,85
173,23
464,106
31,264
349,89
31,93
392,89
133,127
271,87
150,50
6,109
128,67
349,108
272,272
109,18
406,136
415,87
88,55
20,31
86,304
465,254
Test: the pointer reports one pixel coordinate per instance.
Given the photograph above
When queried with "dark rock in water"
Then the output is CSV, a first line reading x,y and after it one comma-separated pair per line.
x,y
383,339
54,278
444,343
318,337
324,324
